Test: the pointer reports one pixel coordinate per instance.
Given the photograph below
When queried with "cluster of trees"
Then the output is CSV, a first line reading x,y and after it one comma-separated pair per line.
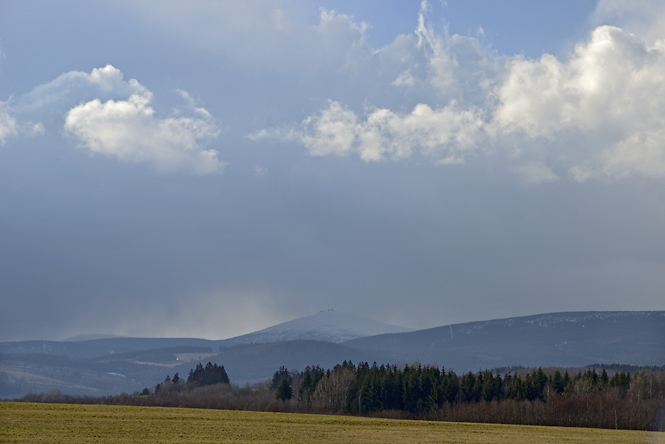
x,y
604,398
415,389
198,377
208,375
538,385
589,398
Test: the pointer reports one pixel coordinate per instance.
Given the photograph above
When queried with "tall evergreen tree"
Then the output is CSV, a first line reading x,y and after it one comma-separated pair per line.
x,y
284,390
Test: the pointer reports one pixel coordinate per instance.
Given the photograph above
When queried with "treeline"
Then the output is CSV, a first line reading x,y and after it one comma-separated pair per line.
x,y
209,375
588,398
537,397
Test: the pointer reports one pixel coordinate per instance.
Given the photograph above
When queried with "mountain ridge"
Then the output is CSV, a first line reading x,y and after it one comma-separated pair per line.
x,y
550,339
110,365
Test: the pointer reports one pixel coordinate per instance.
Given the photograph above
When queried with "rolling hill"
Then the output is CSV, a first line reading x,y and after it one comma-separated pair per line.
x,y
327,326
554,339
118,364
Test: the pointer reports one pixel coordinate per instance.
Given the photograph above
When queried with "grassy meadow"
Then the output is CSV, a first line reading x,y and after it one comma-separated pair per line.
x,y
64,423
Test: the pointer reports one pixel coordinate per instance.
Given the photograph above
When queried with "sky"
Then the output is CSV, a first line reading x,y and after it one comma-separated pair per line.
x,y
207,169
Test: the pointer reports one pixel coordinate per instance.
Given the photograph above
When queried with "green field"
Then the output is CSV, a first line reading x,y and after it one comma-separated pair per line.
x,y
60,423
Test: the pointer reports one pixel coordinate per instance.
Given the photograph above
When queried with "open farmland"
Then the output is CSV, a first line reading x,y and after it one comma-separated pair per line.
x,y
60,423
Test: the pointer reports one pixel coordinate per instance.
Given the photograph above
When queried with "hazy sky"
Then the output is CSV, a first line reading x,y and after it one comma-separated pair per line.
x,y
205,168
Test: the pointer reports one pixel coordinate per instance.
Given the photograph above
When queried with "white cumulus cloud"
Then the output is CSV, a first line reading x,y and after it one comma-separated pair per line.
x,y
610,93
130,131
445,134
114,117
596,113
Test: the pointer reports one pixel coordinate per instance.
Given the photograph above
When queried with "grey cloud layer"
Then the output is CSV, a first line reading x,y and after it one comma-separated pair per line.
x,y
350,212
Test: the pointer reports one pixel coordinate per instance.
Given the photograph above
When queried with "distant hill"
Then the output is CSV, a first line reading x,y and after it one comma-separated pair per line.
x,y
117,364
90,337
326,326
554,339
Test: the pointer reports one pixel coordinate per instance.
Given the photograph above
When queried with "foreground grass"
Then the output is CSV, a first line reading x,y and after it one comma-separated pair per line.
x,y
64,423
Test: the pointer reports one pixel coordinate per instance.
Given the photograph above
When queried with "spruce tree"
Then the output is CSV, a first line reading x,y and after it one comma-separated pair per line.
x,y
284,390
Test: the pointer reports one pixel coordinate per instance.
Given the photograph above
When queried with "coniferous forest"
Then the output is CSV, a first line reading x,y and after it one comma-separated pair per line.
x,y
617,397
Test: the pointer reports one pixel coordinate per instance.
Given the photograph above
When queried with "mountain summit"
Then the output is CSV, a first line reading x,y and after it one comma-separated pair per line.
x,y
329,326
